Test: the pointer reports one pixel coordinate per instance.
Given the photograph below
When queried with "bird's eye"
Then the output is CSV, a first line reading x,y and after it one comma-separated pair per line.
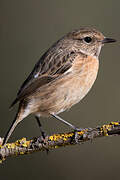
x,y
87,39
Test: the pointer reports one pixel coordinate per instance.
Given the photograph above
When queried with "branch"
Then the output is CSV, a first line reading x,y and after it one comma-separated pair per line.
x,y
22,146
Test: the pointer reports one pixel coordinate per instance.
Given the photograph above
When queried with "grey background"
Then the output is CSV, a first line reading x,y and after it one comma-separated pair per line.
x,y
27,29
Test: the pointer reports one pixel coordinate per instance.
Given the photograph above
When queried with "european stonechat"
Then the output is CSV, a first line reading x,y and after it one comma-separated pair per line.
x,y
61,78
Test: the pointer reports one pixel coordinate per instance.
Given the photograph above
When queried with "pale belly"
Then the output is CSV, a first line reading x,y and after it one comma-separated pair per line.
x,y
76,90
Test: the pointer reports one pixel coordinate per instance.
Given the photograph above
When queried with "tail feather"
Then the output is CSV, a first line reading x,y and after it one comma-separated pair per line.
x,y
17,119
9,132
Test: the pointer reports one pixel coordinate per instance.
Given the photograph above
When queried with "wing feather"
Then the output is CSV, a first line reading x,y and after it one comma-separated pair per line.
x,y
50,66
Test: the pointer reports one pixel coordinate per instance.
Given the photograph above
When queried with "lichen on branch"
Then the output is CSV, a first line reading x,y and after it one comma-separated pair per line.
x,y
23,146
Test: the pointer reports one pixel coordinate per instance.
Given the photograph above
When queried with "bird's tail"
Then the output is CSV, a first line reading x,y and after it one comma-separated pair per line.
x,y
19,117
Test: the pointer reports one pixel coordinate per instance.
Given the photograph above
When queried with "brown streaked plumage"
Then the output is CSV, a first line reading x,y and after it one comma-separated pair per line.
x,y
62,76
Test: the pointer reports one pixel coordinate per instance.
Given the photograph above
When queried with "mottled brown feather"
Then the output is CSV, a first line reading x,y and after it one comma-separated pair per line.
x,y
46,74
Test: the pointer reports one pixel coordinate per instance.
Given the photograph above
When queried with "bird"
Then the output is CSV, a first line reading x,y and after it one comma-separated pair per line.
x,y
61,78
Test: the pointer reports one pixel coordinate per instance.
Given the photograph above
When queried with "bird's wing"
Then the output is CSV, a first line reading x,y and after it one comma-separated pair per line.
x,y
49,67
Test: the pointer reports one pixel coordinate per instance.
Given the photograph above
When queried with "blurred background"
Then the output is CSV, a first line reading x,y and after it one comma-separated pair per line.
x,y
27,29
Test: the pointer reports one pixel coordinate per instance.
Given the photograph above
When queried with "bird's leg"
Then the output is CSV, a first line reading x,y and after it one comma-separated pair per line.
x,y
70,125
40,126
63,121
41,130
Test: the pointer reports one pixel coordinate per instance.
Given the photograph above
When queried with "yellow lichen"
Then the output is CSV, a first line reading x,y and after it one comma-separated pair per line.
x,y
22,142
64,137
51,138
114,123
105,129
22,153
82,132
56,137
10,145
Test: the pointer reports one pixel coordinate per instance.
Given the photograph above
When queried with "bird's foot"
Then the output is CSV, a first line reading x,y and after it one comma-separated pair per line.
x,y
76,136
42,139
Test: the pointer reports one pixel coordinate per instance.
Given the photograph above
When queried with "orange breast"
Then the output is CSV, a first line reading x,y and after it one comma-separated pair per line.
x,y
83,76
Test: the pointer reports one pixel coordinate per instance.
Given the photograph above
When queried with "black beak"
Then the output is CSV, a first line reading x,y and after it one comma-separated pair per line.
x,y
108,40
